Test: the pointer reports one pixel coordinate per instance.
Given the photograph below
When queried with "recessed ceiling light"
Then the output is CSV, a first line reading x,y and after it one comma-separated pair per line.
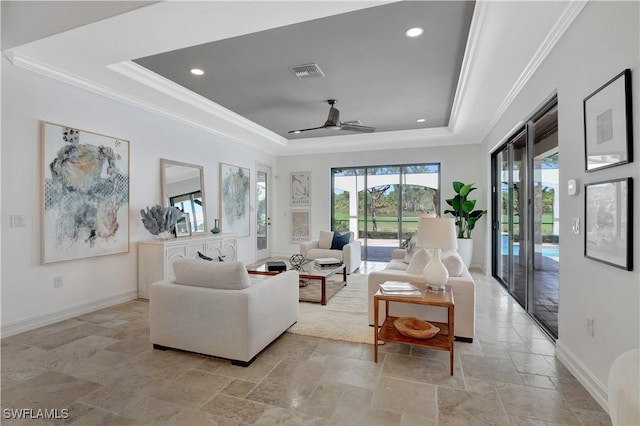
x,y
414,32
196,71
421,120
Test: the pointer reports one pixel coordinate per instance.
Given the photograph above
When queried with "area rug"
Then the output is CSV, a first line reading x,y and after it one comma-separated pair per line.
x,y
344,317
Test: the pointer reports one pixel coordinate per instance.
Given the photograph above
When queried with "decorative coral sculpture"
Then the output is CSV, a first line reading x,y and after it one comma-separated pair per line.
x,y
160,220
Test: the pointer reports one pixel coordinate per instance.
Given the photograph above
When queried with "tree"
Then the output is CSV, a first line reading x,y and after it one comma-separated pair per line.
x,y
376,201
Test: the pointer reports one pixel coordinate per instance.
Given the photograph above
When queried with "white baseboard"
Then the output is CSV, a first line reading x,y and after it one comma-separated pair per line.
x,y
597,390
20,326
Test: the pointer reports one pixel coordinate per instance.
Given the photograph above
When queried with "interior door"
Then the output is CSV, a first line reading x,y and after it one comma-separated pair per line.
x,y
263,215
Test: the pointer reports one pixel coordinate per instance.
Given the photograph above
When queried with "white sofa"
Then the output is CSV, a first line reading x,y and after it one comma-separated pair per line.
x,y
215,308
464,296
350,253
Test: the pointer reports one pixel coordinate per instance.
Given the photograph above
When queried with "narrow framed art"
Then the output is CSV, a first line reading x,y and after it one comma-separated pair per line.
x,y
234,199
300,225
608,211
183,226
85,194
608,127
300,183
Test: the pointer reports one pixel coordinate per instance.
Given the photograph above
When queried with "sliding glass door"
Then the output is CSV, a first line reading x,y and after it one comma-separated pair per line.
x,y
381,204
526,233
545,220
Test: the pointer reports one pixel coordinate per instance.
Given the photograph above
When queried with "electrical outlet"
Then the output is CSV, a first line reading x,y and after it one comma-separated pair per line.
x,y
58,282
590,326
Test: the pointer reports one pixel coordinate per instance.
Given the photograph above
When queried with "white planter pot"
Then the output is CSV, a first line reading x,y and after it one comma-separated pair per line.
x,y
465,250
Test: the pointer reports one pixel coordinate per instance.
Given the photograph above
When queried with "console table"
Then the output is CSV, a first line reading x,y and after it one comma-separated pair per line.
x,y
155,257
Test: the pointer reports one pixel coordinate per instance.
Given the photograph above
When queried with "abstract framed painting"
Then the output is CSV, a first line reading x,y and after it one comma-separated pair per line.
x,y
608,124
300,225
85,194
300,189
234,200
608,211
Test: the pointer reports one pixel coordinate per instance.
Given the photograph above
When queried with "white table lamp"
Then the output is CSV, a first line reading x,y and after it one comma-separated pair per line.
x,y
436,234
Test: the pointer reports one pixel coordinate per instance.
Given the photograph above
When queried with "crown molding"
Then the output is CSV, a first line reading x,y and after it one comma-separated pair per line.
x,y
400,139
163,85
47,70
477,24
563,23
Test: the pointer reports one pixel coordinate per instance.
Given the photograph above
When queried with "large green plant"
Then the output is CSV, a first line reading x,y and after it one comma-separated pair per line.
x,y
463,209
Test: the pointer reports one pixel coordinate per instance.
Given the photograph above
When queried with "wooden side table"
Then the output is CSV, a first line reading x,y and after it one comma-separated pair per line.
x,y
442,341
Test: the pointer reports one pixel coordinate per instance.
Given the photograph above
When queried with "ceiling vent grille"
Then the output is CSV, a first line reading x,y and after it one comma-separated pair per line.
x,y
306,71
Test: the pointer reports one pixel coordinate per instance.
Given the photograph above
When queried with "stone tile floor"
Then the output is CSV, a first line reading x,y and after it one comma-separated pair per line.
x,y
103,370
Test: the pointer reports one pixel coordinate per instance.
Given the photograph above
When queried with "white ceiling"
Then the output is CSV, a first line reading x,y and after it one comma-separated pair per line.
x,y
507,42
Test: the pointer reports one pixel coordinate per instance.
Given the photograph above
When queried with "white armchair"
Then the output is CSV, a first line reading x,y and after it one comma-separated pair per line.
x,y
350,253
214,308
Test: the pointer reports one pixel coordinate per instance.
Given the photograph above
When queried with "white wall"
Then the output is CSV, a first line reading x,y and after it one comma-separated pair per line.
x,y
604,40
28,296
457,163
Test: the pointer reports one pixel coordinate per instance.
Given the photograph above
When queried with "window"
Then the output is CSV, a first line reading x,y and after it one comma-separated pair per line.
x,y
381,204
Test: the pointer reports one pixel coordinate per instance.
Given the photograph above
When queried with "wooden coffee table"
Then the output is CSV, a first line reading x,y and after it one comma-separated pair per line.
x,y
307,271
442,341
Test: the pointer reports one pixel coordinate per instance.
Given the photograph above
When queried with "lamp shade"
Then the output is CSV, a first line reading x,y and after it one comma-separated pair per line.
x,y
437,232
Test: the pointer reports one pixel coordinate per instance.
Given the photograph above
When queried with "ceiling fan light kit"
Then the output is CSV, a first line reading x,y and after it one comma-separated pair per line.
x,y
333,122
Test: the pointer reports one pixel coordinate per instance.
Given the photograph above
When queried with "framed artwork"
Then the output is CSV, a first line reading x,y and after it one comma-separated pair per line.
x,y
300,183
300,225
183,226
608,127
234,199
608,210
85,194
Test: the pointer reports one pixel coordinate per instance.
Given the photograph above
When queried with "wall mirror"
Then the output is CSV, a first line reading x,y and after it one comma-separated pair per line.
x,y
182,186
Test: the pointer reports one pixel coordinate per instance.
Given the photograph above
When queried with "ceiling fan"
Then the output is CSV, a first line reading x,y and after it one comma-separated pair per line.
x,y
333,122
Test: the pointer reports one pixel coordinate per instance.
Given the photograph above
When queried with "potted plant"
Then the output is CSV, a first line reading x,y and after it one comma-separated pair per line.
x,y
466,217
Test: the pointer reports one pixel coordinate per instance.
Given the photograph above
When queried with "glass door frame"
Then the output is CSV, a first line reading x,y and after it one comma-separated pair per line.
x,y
266,252
401,181
528,179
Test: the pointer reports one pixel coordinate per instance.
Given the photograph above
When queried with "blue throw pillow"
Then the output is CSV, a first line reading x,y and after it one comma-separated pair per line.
x,y
340,240
204,256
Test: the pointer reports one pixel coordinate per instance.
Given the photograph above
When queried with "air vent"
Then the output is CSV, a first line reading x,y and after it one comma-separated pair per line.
x,y
307,71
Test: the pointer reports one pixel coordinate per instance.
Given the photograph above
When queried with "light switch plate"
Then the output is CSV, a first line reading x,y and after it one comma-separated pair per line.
x,y
572,187
575,225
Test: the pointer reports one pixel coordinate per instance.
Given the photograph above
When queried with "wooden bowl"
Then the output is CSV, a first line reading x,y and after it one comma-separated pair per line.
x,y
416,328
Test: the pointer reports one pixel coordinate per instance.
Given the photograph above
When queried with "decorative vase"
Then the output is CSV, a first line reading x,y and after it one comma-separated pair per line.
x,y
163,236
215,229
465,250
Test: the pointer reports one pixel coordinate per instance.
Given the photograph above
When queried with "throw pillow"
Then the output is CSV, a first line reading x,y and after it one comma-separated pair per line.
x,y
454,265
340,240
418,261
204,256
326,238
221,275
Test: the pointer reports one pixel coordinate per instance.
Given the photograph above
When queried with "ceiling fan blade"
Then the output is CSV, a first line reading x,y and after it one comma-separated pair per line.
x,y
305,130
357,128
